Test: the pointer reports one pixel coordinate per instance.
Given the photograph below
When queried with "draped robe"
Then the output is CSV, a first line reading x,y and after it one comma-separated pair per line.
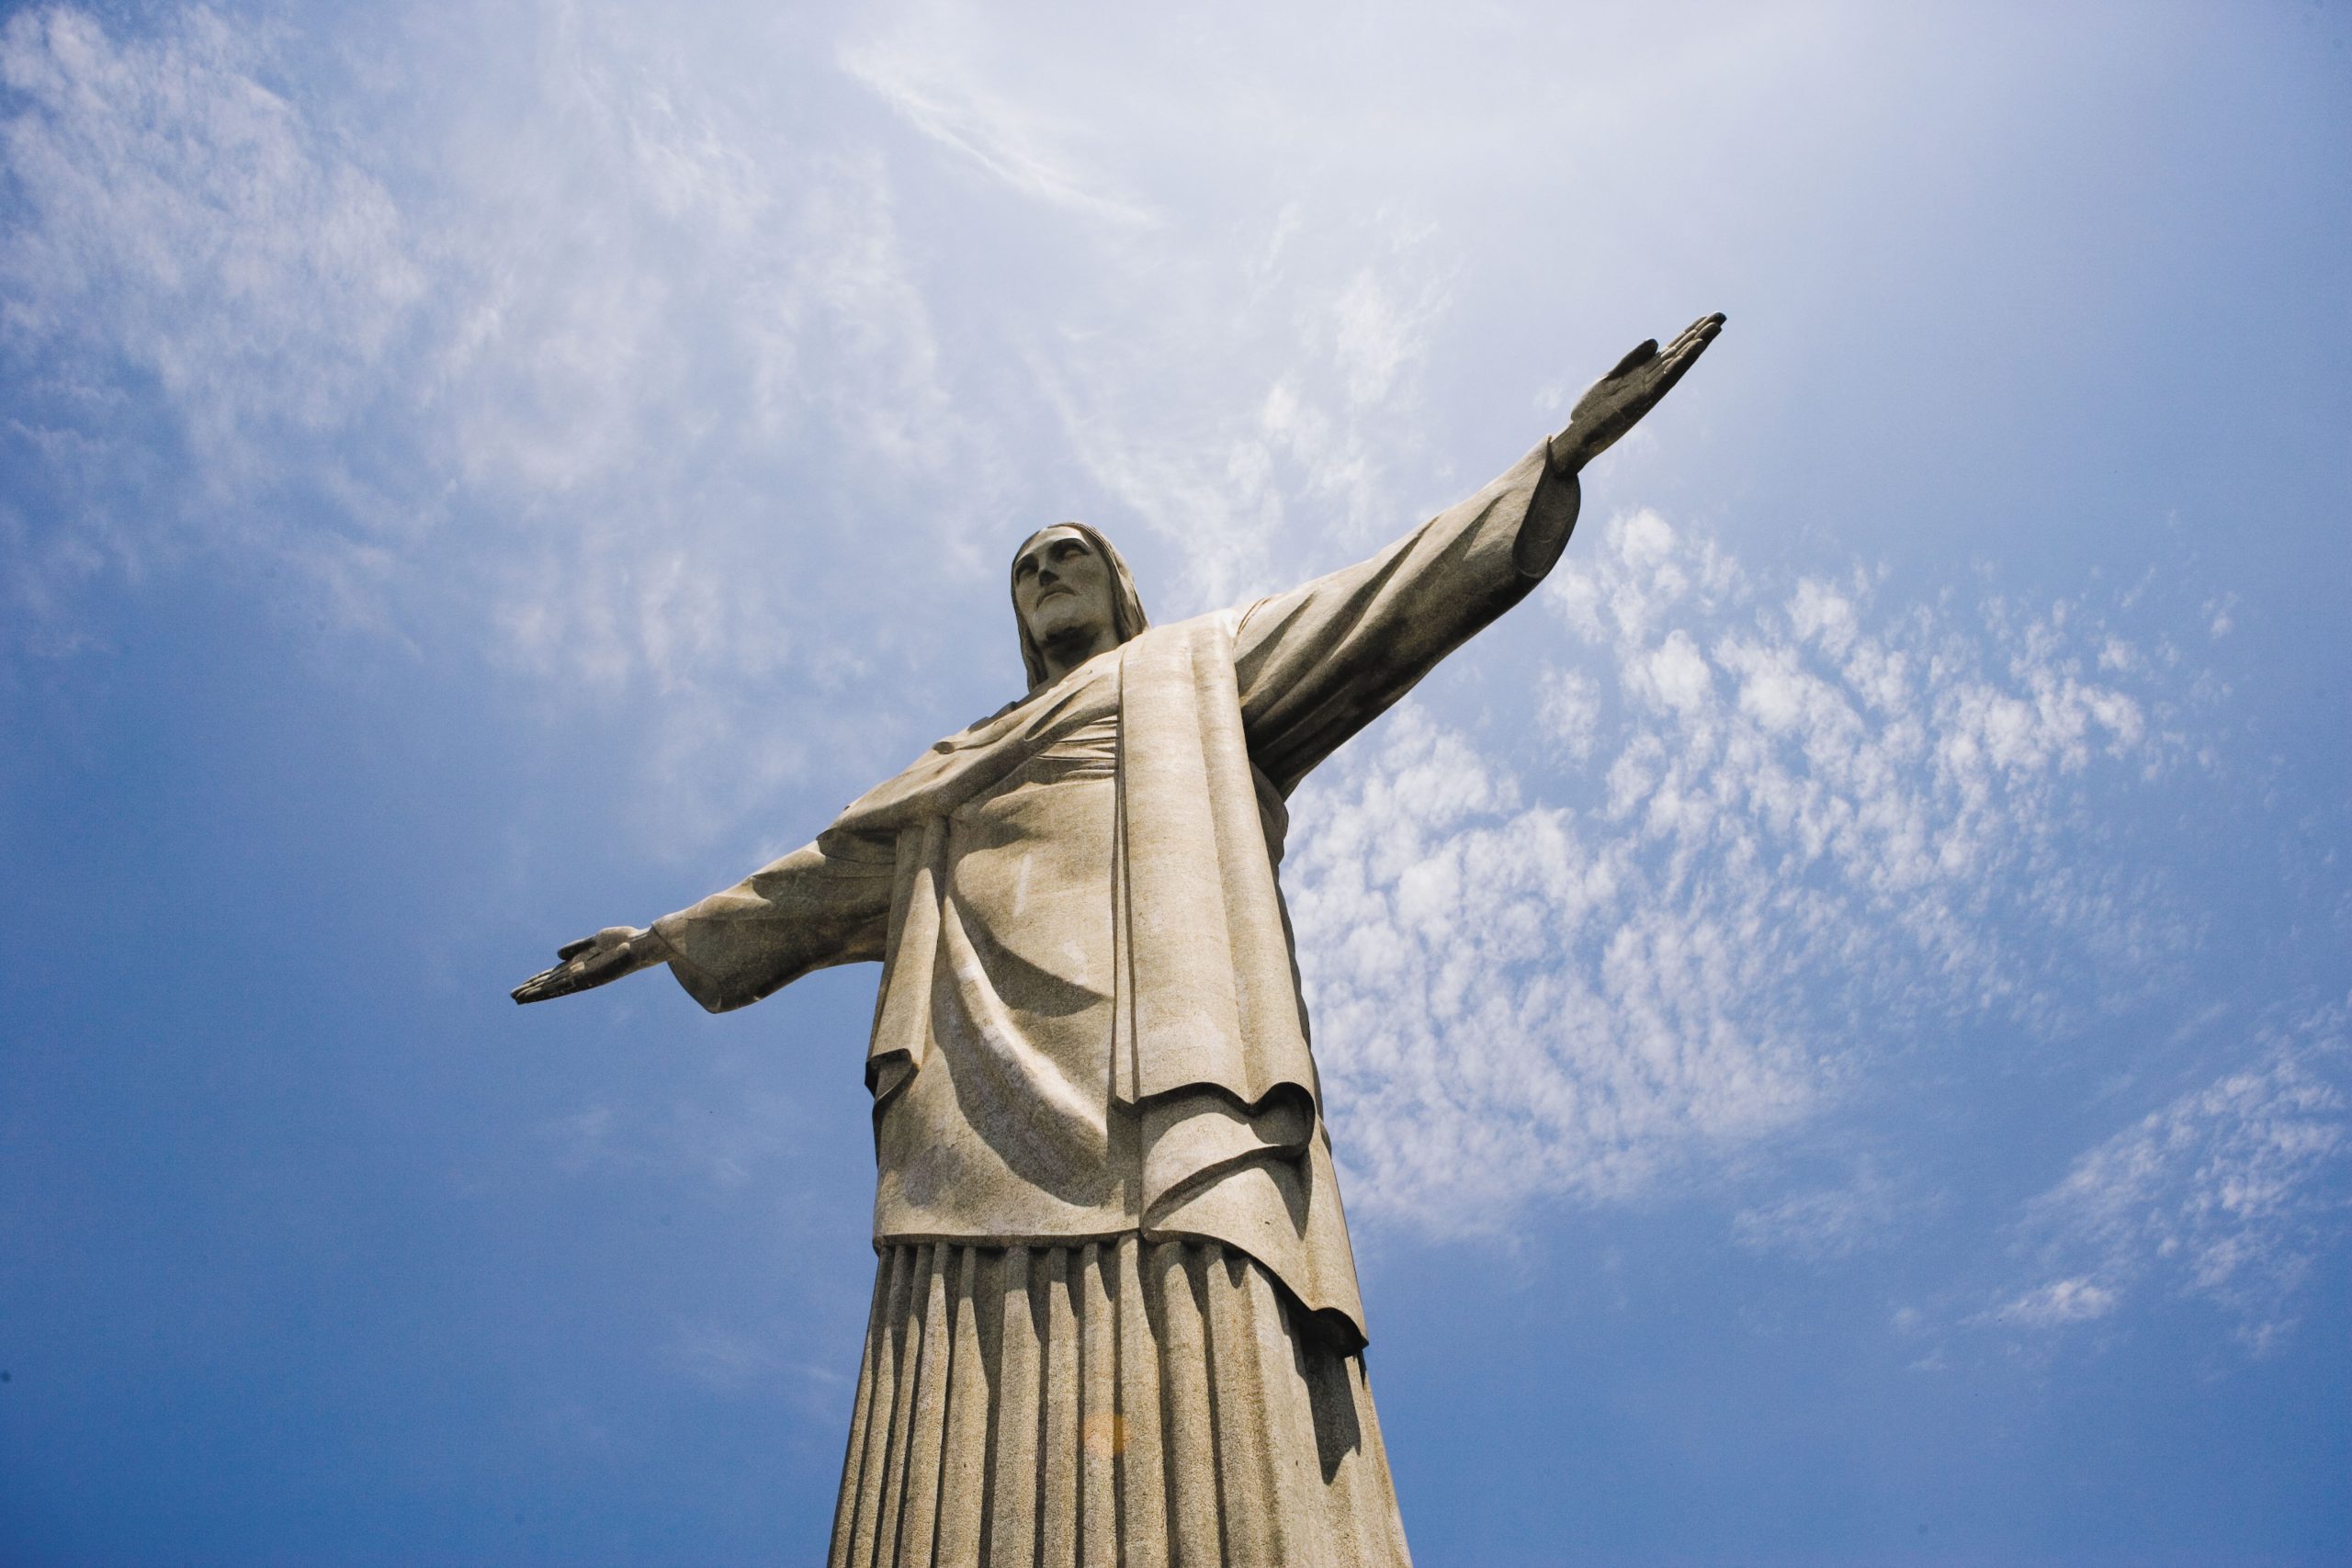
x,y
1089,1023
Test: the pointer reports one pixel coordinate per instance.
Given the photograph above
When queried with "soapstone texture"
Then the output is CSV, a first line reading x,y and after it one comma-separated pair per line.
x,y
1115,1316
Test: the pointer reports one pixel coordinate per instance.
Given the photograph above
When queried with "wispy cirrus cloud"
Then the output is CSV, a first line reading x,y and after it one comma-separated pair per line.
x,y
508,329
922,74
1281,452
177,213
1823,1224
180,234
595,380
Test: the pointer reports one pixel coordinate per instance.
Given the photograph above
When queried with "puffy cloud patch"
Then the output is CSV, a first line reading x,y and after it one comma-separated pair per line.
x,y
2075,1300
1803,831
2226,1194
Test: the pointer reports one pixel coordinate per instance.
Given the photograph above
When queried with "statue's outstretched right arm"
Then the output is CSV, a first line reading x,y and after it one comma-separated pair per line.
x,y
824,904
593,961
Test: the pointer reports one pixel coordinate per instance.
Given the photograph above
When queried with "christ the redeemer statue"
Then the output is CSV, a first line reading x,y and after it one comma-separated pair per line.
x,y
1115,1317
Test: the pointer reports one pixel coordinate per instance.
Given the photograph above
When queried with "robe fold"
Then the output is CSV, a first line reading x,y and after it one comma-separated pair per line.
x,y
1089,1024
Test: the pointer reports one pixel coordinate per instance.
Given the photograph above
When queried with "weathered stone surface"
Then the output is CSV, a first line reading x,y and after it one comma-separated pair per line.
x,y
1117,1315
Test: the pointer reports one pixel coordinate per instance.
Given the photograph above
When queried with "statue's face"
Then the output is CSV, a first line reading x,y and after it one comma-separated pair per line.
x,y
1061,586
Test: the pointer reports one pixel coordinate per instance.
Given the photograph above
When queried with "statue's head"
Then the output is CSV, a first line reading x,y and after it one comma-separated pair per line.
x,y
1070,587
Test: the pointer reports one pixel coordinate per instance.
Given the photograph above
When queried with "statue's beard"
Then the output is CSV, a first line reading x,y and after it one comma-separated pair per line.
x,y
1065,618
1069,642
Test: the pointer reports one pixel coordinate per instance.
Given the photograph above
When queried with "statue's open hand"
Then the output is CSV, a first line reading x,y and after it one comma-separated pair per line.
x,y
593,961
1616,403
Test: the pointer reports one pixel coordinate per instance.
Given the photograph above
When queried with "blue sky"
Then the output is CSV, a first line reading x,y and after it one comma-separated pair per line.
x,y
1837,1014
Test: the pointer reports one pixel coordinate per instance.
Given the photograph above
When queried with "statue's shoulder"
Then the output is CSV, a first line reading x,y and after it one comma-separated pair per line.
x,y
978,731
1213,629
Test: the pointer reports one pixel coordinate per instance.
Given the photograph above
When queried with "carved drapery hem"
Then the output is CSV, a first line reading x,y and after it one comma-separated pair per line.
x,y
1121,1401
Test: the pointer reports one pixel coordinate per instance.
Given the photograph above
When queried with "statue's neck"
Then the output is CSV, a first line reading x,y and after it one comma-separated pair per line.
x,y
1073,647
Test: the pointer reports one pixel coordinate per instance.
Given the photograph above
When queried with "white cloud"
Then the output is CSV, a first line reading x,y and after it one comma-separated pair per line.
x,y
606,369
612,374
598,374
2076,1300
1813,832
1254,419
2228,1193
1824,1224
922,71
1500,1014
177,225
183,215
1377,335
1568,709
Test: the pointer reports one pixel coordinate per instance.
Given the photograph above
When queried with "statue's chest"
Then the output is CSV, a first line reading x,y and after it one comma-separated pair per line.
x,y
1030,860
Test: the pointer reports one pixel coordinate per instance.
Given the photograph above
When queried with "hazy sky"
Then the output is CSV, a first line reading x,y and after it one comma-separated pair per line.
x,y
1837,1015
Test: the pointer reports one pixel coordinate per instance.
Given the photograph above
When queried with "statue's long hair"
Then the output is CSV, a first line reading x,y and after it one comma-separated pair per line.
x,y
1127,618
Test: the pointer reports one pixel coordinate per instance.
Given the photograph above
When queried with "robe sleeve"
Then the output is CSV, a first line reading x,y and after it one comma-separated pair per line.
x,y
823,904
1317,664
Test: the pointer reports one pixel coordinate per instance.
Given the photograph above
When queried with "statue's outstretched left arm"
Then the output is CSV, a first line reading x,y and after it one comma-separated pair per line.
x,y
1609,407
1616,403
1317,664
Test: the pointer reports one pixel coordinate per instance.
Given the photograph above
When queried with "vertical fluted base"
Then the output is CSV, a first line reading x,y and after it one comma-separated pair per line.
x,y
1119,1403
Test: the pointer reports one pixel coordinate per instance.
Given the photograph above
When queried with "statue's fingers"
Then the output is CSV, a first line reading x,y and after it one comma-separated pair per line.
x,y
1638,357
1701,332
1687,352
1679,366
540,987
571,950
1668,370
